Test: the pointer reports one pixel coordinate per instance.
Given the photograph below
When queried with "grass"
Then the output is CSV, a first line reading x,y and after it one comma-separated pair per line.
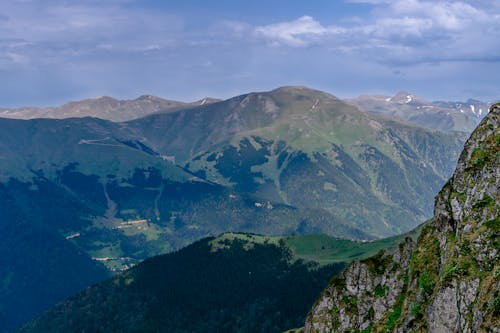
x,y
224,240
319,248
396,313
326,249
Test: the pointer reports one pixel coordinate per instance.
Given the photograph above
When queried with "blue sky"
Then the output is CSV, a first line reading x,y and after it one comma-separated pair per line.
x,y
54,51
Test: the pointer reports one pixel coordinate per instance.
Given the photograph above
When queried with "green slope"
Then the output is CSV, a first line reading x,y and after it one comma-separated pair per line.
x,y
309,149
320,248
289,161
92,195
233,283
94,146
325,249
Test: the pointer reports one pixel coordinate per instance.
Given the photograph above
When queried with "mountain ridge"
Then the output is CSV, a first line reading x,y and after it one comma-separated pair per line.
x,y
104,107
281,162
264,269
442,115
439,115
94,191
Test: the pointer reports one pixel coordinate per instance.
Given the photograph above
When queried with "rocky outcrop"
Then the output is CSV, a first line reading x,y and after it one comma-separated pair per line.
x,y
363,293
449,281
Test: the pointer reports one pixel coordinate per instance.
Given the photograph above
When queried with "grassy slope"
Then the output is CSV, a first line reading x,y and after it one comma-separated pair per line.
x,y
321,248
98,147
235,282
309,149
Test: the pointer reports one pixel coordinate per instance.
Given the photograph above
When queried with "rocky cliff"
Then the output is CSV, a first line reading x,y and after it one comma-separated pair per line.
x,y
449,280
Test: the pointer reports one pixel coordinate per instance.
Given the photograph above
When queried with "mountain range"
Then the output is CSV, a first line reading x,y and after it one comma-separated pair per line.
x,y
442,278
309,149
86,197
76,210
440,115
104,107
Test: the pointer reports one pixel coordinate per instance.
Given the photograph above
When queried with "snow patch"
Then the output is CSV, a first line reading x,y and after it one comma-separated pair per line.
x,y
316,102
76,234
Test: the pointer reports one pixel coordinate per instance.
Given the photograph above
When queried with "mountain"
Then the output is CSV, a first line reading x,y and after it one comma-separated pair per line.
x,y
309,149
235,282
448,281
83,198
293,146
126,188
103,107
439,115
289,161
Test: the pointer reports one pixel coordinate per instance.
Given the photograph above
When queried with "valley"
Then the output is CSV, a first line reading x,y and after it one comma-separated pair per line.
x,y
191,166
291,161
441,277
231,282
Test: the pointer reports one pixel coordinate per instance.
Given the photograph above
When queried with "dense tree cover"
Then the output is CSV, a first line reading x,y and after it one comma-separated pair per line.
x,y
235,288
38,267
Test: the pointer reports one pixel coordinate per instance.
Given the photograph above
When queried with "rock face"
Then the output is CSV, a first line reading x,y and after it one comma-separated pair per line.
x,y
449,281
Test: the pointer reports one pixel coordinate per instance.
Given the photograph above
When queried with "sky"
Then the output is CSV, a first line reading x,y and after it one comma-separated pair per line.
x,y
54,51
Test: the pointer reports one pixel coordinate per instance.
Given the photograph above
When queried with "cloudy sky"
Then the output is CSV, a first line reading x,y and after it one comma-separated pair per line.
x,y
53,51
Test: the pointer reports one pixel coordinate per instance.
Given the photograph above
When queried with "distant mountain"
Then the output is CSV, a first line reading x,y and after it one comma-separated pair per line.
x,y
448,281
309,149
103,107
445,116
235,282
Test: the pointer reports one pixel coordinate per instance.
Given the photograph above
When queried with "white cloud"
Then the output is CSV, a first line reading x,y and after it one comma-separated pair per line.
x,y
44,31
401,31
56,50
301,32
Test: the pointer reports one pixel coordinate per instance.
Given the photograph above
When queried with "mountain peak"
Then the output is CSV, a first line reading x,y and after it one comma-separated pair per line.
x,y
149,98
291,89
97,99
301,90
404,97
205,101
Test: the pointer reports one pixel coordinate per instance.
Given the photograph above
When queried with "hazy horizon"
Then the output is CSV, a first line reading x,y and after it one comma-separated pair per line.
x,y
130,98
55,51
